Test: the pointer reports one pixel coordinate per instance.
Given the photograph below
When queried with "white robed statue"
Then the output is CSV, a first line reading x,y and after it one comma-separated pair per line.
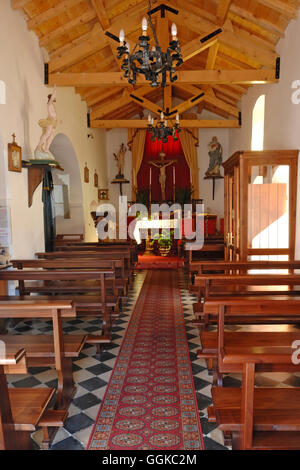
x,y
48,126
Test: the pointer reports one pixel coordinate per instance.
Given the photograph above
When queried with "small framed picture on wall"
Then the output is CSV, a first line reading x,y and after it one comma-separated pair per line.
x,y
96,179
14,156
86,174
103,195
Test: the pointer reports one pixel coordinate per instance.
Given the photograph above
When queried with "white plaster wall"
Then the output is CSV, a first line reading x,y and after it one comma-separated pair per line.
x,y
26,99
282,119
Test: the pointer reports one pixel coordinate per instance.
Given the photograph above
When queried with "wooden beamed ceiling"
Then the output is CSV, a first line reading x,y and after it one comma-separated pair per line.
x,y
214,76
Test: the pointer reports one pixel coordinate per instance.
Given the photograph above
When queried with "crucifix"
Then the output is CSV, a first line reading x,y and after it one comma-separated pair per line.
x,y
162,164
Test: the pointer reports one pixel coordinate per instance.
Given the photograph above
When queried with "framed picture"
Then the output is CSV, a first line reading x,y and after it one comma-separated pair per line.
x,y
103,195
96,179
86,174
14,156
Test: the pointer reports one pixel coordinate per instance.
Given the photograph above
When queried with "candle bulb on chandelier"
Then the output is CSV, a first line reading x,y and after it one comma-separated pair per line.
x,y
149,119
161,116
174,31
144,24
122,36
177,118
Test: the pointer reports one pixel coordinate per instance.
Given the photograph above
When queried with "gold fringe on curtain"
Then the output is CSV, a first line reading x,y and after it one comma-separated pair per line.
x,y
189,141
136,144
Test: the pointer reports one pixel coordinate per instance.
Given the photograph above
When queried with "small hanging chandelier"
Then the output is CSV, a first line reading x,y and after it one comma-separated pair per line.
x,y
161,131
154,64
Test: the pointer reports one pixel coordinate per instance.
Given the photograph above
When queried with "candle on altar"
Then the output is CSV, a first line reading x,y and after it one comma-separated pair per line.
x,y
174,180
150,176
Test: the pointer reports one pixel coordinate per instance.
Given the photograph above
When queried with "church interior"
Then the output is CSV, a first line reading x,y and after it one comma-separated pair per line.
x,y
149,248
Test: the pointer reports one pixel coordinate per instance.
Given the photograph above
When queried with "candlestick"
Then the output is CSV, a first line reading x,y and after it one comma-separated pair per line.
x,y
174,183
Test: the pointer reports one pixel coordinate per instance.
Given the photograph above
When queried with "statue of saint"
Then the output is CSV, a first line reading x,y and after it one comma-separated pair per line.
x,y
120,159
162,164
48,126
215,158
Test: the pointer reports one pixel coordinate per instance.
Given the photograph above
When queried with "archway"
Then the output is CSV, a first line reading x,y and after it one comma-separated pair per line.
x,y
68,198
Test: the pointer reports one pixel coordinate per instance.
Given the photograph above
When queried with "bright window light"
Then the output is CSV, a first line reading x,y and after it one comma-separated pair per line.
x,y
258,124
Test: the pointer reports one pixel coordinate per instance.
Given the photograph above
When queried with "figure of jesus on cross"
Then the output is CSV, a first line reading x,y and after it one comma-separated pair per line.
x,y
162,164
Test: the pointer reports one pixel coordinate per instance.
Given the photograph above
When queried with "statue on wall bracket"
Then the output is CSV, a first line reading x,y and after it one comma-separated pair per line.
x,y
48,126
120,159
215,158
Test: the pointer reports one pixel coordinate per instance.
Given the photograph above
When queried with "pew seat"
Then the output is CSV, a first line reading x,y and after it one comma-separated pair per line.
x,y
42,346
28,406
275,409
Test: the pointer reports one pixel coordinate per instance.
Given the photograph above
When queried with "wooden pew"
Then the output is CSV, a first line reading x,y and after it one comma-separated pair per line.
x,y
257,418
98,305
239,267
265,310
106,254
239,285
55,350
21,409
104,247
119,281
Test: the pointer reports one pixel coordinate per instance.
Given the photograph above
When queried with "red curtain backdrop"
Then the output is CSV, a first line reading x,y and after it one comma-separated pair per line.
x,y
173,151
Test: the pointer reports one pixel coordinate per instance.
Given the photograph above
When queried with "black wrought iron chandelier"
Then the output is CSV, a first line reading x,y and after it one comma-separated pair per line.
x,y
155,64
161,131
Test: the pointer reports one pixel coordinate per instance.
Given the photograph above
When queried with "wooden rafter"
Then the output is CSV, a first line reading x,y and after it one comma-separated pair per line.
x,y
67,27
190,103
82,55
52,12
201,77
185,123
101,13
92,44
198,45
223,9
281,7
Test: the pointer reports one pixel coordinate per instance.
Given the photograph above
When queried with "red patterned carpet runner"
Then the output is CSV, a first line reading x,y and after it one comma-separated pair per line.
x,y
150,402
158,262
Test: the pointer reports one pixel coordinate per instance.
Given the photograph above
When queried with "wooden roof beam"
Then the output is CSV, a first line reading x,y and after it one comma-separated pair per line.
x,y
200,77
222,12
52,12
99,8
245,44
281,7
198,45
184,123
212,56
258,20
67,27
100,111
188,104
93,44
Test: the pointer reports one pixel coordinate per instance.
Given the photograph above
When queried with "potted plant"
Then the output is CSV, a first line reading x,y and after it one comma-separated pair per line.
x,y
184,195
142,196
164,241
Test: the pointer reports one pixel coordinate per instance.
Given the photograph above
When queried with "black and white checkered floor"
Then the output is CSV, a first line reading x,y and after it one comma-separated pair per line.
x,y
92,374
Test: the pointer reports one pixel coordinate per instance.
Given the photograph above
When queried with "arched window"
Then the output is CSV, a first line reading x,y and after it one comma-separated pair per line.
x,y
2,92
258,124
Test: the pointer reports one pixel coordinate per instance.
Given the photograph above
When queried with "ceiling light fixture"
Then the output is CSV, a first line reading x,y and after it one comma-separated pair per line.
x,y
155,64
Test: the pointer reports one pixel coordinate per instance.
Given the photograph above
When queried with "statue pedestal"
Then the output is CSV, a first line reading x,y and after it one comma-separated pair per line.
x,y
36,170
120,181
214,178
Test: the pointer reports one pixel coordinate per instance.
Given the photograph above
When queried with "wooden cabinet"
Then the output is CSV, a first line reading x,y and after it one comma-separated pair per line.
x,y
260,204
